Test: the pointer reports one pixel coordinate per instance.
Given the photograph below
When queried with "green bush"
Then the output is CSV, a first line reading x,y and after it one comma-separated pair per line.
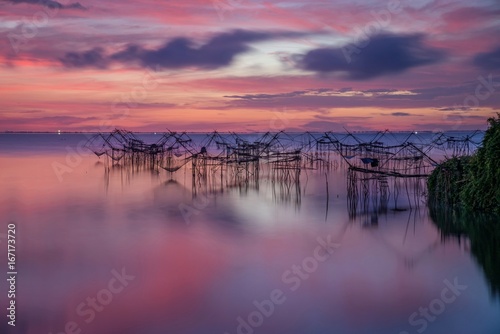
x,y
447,181
470,182
481,191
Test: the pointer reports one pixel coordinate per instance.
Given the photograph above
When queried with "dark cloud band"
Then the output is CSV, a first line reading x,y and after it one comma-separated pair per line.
x,y
489,61
180,52
50,4
384,54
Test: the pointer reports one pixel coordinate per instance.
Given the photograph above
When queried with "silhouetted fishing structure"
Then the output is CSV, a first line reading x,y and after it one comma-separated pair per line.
x,y
385,165
379,166
457,146
382,167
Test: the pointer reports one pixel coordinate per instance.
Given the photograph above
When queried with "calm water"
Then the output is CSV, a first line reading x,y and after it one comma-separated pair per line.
x,y
115,250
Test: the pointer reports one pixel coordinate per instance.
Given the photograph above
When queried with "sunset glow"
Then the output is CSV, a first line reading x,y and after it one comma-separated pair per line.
x,y
244,65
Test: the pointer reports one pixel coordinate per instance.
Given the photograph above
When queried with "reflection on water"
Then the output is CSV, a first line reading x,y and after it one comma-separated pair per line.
x,y
204,252
484,236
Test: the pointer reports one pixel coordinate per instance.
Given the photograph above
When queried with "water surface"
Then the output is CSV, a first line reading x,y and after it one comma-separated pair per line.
x,y
198,261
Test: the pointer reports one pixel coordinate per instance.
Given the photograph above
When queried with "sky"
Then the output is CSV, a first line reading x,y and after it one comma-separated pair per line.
x,y
248,65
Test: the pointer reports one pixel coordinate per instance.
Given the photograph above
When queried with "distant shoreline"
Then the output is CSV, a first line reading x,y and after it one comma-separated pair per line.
x,y
227,132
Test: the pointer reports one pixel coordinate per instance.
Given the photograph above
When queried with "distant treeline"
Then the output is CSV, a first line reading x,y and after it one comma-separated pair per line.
x,y
470,182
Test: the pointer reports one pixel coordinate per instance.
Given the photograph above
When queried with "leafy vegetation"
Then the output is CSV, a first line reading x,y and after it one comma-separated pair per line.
x,y
470,182
464,202
447,181
481,190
